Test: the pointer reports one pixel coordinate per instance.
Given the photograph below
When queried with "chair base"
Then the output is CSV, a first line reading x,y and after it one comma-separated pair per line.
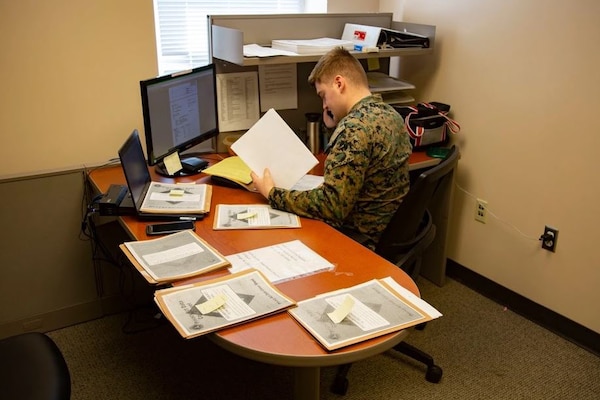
x,y
433,374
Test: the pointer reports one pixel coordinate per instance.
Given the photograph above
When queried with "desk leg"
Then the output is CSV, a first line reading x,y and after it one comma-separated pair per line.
x,y
306,383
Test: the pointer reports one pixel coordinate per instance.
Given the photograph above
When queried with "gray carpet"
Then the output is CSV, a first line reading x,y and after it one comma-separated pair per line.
x,y
486,352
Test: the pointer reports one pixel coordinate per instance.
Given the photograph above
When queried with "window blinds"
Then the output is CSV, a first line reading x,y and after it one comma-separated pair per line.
x,y
182,31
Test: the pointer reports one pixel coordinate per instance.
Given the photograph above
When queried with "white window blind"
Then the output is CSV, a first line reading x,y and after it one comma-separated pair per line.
x,y
182,32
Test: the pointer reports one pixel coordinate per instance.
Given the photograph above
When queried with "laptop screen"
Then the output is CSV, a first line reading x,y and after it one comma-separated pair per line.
x,y
135,168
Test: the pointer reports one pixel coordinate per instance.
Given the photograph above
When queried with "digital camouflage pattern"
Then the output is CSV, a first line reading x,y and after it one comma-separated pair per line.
x,y
365,174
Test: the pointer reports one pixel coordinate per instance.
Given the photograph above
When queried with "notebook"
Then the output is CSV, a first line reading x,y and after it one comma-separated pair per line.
x,y
157,200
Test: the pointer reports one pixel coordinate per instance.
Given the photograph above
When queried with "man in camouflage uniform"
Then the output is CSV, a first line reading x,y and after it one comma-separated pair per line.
x,y
366,170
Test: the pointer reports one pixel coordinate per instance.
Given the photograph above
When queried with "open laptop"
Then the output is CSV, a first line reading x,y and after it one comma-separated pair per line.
x,y
138,179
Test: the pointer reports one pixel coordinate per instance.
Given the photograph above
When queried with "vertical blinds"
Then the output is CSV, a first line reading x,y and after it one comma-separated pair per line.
x,y
182,31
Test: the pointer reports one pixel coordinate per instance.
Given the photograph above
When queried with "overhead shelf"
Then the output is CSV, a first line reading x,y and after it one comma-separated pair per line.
x,y
229,33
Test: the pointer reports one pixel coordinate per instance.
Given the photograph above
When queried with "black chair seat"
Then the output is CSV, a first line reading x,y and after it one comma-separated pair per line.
x,y
33,368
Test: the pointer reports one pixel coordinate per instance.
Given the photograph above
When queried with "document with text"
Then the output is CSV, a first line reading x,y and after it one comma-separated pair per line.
x,y
281,262
177,198
371,309
253,216
208,306
172,257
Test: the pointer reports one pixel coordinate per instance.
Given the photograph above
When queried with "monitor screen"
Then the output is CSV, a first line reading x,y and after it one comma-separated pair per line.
x,y
180,111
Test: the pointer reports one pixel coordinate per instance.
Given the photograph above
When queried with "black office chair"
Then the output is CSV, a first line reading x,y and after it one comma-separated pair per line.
x,y
33,368
403,242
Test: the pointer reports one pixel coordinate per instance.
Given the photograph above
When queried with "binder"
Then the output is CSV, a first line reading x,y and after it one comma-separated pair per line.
x,y
365,36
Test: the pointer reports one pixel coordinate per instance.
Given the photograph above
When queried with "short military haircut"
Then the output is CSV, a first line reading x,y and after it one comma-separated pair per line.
x,y
338,61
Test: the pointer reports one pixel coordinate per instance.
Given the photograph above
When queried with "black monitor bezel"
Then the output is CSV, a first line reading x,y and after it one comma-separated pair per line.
x,y
154,159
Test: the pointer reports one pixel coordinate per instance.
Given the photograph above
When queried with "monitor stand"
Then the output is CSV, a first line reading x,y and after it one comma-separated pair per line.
x,y
192,164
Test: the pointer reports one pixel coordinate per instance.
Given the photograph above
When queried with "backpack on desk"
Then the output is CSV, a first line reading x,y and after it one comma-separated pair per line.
x,y
428,124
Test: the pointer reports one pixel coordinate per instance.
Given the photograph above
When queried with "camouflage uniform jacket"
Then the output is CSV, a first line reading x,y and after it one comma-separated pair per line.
x,y
365,174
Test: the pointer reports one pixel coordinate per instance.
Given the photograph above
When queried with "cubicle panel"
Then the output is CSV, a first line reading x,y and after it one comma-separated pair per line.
x,y
261,29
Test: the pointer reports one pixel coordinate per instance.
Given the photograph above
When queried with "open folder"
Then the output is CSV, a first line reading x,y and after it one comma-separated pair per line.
x,y
231,170
269,143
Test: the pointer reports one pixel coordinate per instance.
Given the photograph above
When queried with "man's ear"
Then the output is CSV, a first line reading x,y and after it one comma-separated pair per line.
x,y
339,82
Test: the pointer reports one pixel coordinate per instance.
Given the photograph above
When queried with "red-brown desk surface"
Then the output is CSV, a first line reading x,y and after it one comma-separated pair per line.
x,y
279,339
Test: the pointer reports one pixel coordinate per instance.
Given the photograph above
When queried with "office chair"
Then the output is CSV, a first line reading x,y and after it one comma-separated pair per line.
x,y
403,242
33,368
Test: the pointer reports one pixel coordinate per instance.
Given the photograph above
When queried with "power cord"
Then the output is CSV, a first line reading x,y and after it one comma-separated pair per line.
x,y
496,217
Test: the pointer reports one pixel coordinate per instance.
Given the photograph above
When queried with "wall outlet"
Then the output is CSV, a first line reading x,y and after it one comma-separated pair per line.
x,y
549,238
481,211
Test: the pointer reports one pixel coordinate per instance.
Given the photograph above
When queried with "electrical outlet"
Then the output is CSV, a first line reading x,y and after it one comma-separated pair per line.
x,y
481,211
549,238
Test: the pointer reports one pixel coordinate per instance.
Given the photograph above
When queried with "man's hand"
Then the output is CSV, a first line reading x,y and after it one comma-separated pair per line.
x,y
263,184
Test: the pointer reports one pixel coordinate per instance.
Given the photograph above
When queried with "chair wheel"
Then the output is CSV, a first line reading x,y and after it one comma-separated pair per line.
x,y
340,385
433,374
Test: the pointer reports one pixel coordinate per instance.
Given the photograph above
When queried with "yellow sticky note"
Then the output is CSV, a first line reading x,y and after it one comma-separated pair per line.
x,y
176,192
342,311
373,64
172,163
211,305
246,215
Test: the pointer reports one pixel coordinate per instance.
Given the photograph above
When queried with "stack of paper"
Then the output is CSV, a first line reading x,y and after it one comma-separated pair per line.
x,y
390,88
253,216
380,82
371,309
311,46
234,170
172,257
208,306
281,262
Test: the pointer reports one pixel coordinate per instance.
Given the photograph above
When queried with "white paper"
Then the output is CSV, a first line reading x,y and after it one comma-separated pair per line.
x,y
308,182
238,104
281,262
255,50
271,143
233,307
278,86
416,300
170,255
358,313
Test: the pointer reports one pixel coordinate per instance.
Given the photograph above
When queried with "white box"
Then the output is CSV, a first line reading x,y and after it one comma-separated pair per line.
x,y
362,35
369,37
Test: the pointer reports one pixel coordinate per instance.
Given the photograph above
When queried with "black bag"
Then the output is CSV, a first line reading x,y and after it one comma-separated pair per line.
x,y
428,123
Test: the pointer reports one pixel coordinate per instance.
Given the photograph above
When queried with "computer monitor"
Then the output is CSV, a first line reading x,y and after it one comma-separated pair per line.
x,y
180,111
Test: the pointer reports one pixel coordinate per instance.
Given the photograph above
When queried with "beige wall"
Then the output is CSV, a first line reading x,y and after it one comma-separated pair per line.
x,y
70,73
522,79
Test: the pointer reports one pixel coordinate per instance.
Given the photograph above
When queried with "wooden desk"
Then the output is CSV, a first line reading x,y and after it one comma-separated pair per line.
x,y
279,339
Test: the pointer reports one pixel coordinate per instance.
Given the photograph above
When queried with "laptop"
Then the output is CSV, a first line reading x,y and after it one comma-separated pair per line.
x,y
138,180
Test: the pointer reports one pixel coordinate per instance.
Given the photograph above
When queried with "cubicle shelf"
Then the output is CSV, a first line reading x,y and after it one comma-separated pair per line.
x,y
250,61
229,33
